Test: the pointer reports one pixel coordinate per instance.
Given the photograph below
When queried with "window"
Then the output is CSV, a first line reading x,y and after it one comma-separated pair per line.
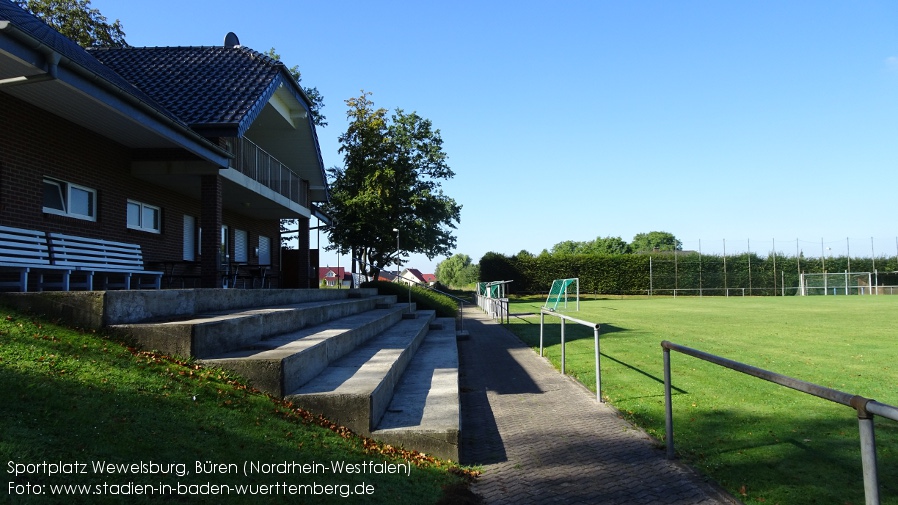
x,y
225,241
189,238
67,199
264,250
144,217
241,246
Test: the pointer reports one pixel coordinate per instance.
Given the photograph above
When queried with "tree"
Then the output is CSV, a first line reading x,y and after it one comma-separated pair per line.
x,y
314,95
78,21
660,240
390,181
607,245
457,271
567,247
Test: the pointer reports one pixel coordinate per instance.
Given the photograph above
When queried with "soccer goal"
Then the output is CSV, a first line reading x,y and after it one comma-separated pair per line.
x,y
832,283
563,290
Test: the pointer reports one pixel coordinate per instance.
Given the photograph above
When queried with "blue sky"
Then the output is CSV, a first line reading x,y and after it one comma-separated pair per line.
x,y
744,125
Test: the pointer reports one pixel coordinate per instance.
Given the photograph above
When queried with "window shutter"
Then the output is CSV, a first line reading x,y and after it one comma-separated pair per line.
x,y
189,238
264,250
240,246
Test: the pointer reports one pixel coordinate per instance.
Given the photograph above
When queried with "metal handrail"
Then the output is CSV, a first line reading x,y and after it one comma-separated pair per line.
x,y
595,330
260,166
497,308
865,407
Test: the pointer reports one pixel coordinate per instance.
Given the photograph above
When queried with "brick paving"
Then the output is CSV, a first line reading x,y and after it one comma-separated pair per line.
x,y
541,437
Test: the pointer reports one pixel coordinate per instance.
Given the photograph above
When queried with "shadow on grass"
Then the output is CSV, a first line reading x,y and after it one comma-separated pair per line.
x,y
787,458
655,378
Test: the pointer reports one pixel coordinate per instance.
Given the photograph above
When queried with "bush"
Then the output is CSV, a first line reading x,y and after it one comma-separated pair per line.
x,y
424,298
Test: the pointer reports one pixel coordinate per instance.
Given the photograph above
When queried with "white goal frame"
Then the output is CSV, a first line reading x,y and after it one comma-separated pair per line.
x,y
837,283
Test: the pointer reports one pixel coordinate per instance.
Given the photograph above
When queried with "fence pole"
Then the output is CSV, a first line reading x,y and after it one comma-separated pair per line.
x,y
668,408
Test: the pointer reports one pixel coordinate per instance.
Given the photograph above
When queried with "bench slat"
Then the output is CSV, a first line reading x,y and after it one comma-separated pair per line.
x,y
21,251
103,258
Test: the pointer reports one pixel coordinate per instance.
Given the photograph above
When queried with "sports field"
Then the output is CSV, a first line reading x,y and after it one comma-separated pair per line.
x,y
762,442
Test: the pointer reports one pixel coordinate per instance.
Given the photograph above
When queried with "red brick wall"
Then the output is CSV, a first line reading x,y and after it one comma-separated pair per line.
x,y
35,144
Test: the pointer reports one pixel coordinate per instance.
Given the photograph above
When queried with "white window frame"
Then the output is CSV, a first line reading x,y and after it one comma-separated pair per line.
x,y
141,225
65,192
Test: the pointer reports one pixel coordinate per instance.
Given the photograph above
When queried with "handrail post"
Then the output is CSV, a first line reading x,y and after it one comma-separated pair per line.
x,y
562,346
595,332
868,450
542,324
668,407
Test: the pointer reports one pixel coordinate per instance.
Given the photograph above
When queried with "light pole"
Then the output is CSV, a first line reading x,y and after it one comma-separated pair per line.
x,y
398,262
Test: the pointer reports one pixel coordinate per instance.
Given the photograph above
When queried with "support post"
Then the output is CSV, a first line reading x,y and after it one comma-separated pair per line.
x,y
868,454
562,346
542,325
668,407
595,332
211,252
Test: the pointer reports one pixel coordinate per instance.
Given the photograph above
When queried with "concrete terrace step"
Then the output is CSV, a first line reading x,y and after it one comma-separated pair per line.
x,y
425,413
211,333
285,362
356,390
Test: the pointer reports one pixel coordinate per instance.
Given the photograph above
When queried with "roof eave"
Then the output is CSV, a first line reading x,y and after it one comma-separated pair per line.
x,y
195,142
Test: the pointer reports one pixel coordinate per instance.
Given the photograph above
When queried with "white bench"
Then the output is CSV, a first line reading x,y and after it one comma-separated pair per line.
x,y
22,251
90,257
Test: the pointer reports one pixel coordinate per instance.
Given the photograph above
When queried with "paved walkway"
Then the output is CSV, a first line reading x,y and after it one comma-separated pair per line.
x,y
542,438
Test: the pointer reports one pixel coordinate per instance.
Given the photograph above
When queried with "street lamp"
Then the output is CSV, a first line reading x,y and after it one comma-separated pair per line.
x,y
398,262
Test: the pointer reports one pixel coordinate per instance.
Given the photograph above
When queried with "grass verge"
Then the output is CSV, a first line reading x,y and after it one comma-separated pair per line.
x,y
762,442
70,398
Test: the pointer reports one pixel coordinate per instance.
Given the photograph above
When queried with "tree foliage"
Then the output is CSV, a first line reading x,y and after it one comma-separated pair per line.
x,y
606,245
390,181
78,21
655,240
457,271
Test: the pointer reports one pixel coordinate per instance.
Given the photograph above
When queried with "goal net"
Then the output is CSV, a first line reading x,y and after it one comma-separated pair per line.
x,y
832,283
562,291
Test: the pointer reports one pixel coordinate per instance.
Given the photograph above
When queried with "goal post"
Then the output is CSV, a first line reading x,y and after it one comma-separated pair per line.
x,y
837,283
561,291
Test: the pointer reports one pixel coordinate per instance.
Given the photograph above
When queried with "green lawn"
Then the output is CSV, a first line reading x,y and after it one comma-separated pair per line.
x,y
70,397
762,442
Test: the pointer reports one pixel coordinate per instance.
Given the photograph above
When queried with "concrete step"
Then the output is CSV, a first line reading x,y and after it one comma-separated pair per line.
x,y
356,390
425,412
285,362
212,333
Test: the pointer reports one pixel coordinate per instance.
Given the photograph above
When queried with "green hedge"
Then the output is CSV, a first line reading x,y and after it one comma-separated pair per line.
x,y
686,272
424,298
